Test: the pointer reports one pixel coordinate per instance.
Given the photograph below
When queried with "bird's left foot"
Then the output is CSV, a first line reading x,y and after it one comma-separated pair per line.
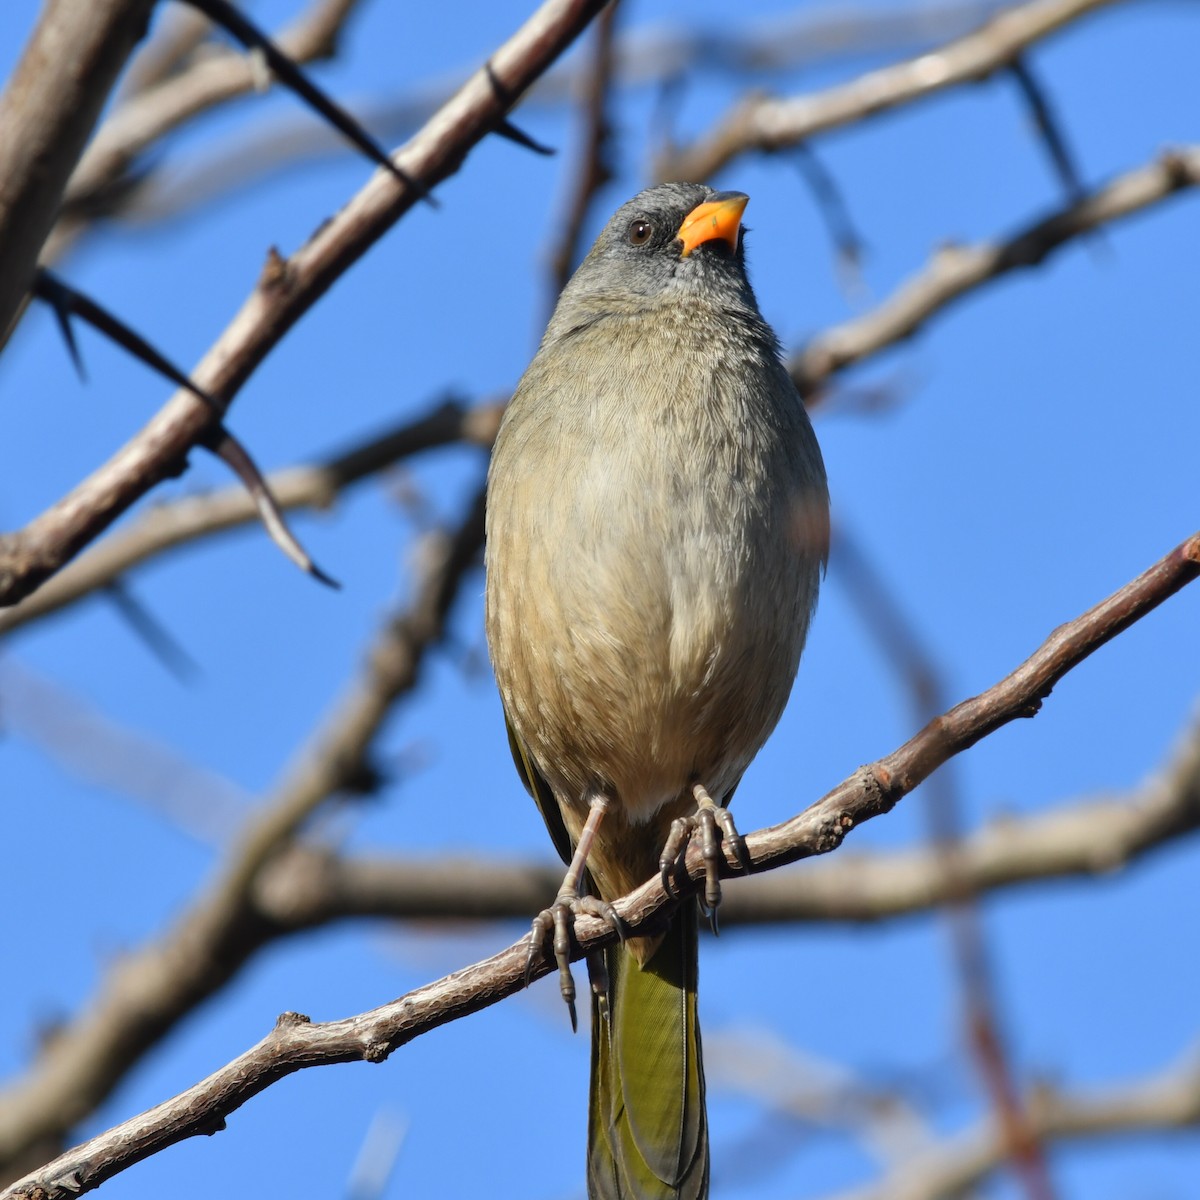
x,y
559,920
713,823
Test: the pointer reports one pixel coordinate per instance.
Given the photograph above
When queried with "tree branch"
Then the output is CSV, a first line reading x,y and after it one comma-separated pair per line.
x,y
192,518
954,273
47,113
296,1043
981,1007
958,270
766,124
594,169
1171,1101
310,885
164,104
643,57
286,290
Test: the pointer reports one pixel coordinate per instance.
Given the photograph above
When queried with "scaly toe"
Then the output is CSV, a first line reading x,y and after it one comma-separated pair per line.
x,y
556,925
672,852
730,835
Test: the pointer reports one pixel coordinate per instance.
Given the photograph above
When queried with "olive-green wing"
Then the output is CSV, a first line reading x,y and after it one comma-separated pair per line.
x,y
539,789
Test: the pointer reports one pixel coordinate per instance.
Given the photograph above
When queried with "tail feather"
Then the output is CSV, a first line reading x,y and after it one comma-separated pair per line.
x,y
648,1132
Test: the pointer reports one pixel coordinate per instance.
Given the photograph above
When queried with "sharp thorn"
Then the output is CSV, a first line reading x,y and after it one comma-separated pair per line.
x,y
46,287
506,129
291,76
66,300
227,448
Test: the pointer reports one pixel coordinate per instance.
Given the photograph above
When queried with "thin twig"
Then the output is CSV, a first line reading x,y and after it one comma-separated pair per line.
x,y
179,31
645,57
983,1026
159,106
959,270
1170,1100
594,168
1092,839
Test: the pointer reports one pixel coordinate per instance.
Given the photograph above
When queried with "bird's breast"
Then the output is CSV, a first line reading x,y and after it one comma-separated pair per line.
x,y
647,599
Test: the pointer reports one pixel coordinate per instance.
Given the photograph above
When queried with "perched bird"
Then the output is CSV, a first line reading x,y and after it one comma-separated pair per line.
x,y
657,523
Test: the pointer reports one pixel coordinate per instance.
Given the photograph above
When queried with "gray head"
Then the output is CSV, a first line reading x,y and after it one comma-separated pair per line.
x,y
667,242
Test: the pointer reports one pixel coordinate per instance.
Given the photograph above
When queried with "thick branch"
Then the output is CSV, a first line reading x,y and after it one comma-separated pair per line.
x,y
286,290
958,270
47,113
766,124
296,1043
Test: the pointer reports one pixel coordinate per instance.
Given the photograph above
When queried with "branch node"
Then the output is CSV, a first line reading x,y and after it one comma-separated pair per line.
x,y
881,789
276,272
289,1020
215,1126
376,1050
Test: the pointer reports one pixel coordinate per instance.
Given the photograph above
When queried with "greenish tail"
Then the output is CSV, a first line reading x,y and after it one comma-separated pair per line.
x,y
648,1131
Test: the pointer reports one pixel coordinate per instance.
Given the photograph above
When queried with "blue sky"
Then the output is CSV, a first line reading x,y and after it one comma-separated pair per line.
x,y
1040,453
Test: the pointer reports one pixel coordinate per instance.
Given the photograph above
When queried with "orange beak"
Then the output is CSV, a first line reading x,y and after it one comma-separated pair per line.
x,y
719,218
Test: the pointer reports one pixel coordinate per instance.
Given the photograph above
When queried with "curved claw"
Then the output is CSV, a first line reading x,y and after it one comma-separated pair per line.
x,y
594,906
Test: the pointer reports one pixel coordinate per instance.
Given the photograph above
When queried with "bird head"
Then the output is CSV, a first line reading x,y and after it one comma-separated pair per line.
x,y
668,241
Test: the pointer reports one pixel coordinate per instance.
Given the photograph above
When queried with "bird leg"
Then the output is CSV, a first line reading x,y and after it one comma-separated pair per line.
x,y
713,822
569,904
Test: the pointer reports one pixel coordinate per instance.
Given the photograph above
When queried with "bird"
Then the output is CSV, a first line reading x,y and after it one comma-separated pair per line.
x,y
657,525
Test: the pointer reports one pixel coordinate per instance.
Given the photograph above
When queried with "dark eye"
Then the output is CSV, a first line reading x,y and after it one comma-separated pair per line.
x,y
639,233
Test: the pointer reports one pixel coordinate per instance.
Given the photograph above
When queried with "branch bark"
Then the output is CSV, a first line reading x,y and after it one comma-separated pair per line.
x,y
47,113
767,124
193,518
958,270
297,1043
